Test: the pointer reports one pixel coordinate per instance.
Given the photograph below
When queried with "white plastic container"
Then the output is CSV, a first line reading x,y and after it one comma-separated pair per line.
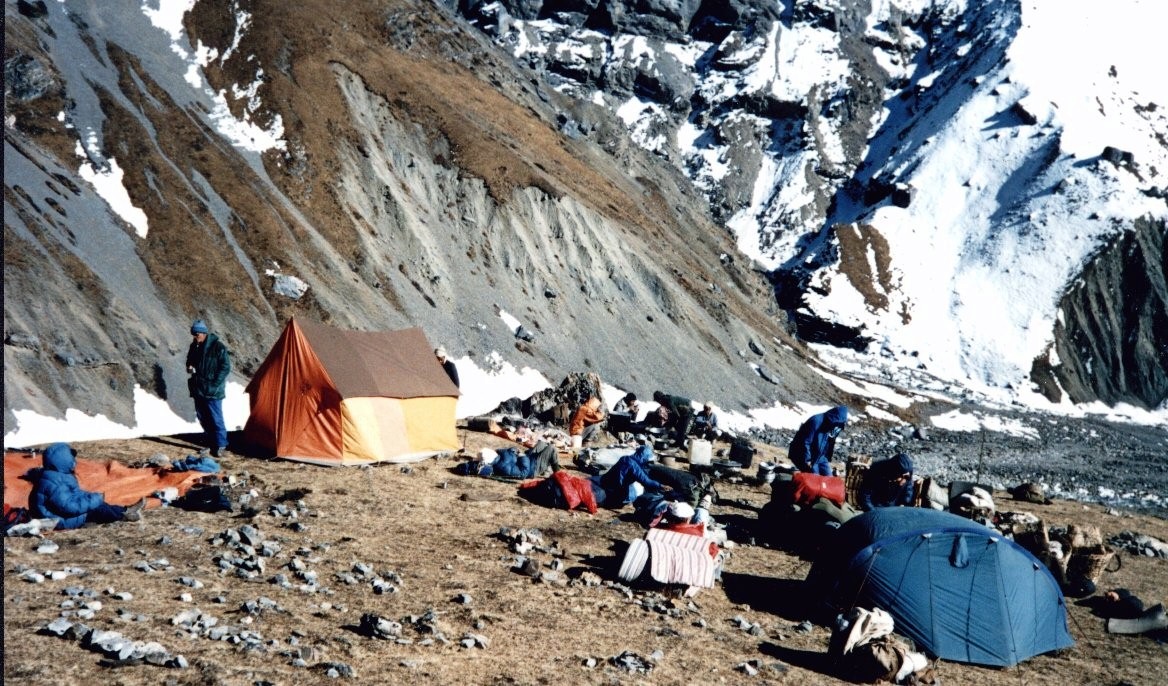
x,y
700,451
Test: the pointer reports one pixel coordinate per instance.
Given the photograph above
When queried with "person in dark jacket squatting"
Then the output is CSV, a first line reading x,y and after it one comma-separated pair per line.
x,y
888,483
209,364
814,443
57,495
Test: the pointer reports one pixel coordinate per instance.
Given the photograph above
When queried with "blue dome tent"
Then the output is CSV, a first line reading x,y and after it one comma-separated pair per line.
x,y
958,589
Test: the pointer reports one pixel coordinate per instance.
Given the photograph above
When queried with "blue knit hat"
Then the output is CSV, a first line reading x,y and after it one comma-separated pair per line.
x,y
199,327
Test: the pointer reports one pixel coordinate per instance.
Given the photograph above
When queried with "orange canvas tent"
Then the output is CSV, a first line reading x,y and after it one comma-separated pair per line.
x,y
335,397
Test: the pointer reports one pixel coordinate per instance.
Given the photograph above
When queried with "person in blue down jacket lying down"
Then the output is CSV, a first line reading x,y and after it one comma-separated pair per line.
x,y
538,459
57,494
629,478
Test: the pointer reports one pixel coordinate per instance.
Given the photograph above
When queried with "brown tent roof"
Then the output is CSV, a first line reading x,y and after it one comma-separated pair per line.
x,y
393,364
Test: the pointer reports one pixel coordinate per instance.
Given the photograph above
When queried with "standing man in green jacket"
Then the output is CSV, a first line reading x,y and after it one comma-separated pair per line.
x,y
208,364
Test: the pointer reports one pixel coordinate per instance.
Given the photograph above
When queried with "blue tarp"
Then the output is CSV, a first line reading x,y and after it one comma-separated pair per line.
x,y
958,589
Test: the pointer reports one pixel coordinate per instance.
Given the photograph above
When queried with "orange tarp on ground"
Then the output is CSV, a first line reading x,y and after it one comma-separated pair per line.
x,y
121,485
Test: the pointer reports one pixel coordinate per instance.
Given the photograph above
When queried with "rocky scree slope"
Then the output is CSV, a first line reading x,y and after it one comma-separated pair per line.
x,y
368,164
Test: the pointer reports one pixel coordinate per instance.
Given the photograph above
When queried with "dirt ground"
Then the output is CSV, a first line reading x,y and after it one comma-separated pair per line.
x,y
433,535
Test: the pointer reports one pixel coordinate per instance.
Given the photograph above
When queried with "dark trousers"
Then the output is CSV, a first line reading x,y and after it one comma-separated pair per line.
x,y
685,422
589,433
105,514
210,414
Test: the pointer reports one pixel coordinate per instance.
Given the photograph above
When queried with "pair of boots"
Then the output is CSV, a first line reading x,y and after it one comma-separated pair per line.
x,y
133,513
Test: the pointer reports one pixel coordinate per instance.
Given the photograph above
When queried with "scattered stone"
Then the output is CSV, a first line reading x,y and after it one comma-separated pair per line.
x,y
47,547
35,527
552,578
190,581
379,627
588,578
32,576
591,662
58,627
118,650
527,566
1140,544
749,668
185,597
462,599
470,640
249,535
336,670
631,662
804,627
381,586
254,607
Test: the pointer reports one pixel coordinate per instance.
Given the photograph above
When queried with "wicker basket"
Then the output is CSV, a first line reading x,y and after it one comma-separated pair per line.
x,y
857,467
1089,562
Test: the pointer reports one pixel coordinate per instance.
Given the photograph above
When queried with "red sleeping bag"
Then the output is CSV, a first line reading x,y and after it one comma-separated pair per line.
x,y
809,487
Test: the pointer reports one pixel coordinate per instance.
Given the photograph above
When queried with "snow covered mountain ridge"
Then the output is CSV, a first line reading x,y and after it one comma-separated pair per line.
x,y
382,163
943,185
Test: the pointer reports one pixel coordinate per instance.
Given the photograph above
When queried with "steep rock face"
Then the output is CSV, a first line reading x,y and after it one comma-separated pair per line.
x,y
917,121
1112,335
384,168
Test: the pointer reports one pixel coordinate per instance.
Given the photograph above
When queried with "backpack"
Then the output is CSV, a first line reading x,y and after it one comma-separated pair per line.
x,y
14,516
742,452
204,498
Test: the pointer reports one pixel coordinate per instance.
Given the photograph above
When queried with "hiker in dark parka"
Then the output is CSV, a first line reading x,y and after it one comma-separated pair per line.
x,y
209,364
814,443
57,494
681,414
888,483
448,365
